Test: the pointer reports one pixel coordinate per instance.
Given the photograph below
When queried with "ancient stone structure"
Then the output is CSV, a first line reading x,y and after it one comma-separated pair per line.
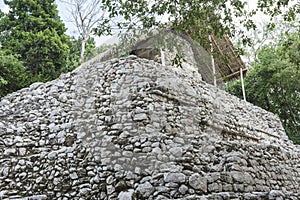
x,y
131,128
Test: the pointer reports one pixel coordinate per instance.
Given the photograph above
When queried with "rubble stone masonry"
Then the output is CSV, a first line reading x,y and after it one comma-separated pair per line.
x,y
131,128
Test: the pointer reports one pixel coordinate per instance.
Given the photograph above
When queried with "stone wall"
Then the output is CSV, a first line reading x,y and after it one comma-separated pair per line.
x,y
133,129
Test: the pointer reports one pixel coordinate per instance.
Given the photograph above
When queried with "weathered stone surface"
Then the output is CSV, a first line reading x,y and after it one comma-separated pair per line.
x,y
198,182
183,189
145,189
128,195
140,117
174,177
74,176
276,195
10,152
132,129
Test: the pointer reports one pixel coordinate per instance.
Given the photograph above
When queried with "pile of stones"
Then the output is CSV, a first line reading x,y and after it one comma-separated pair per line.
x,y
131,128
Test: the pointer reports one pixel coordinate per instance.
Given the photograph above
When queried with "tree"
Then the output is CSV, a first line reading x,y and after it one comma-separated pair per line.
x,y
90,49
199,17
86,15
273,82
12,74
266,33
32,29
75,45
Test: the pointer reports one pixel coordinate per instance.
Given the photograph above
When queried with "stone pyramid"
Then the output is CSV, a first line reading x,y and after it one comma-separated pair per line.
x,y
131,128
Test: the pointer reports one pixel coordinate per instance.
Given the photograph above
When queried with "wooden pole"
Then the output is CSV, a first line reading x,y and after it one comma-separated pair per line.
x,y
212,60
163,59
243,86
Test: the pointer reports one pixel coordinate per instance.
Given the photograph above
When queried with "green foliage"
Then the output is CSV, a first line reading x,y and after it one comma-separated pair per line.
x,y
75,50
12,74
178,60
74,53
33,30
196,17
90,49
273,83
103,48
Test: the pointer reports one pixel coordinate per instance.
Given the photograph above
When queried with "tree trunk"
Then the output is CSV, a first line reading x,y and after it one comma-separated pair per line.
x,y
85,39
83,43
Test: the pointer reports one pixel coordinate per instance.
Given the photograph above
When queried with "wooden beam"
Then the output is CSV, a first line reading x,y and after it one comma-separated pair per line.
x,y
235,73
213,60
237,57
221,52
163,59
243,86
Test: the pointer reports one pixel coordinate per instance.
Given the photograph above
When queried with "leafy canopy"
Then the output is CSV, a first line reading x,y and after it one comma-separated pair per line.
x,y
197,17
273,83
32,29
12,74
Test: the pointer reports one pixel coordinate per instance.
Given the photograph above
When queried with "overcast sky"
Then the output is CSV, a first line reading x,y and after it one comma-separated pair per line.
x,y
71,28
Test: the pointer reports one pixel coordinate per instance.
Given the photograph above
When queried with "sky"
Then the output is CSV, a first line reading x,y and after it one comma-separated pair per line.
x,y
71,28
3,7
260,20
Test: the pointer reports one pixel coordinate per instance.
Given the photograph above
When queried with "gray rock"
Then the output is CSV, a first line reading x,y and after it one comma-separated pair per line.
x,y
53,128
63,97
56,181
36,197
174,177
59,84
52,155
140,117
145,189
10,152
22,175
39,180
127,195
22,151
156,150
84,191
110,180
5,171
176,151
4,102
74,176
110,189
91,174
214,188
183,189
198,182
161,189
276,195
242,177
81,135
